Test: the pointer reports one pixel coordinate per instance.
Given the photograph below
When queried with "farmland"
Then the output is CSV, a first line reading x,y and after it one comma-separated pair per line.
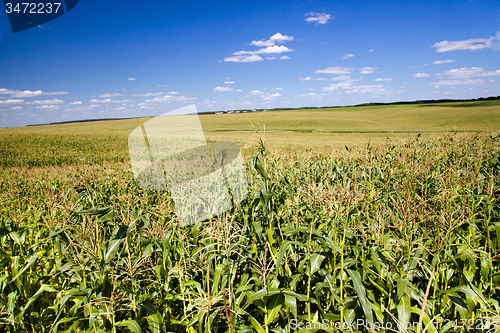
x,y
298,130
386,214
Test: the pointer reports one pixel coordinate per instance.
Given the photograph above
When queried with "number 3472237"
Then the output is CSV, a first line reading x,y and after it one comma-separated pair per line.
x,y
33,8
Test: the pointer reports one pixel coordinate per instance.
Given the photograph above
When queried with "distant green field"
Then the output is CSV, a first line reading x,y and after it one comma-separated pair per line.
x,y
320,129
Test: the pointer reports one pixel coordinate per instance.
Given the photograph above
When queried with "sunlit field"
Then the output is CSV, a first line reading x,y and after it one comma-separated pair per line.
x,y
298,130
358,219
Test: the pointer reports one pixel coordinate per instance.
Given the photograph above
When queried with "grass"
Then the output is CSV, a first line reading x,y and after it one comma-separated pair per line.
x,y
405,231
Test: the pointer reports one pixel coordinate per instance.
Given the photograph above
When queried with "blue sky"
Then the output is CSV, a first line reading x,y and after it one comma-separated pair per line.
x,y
107,59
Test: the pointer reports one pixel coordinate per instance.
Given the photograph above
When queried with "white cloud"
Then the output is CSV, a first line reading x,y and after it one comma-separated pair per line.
x,y
284,57
120,108
319,18
269,45
244,58
350,88
170,98
276,38
371,50
347,56
421,75
239,90
131,79
440,62
268,50
305,95
469,44
12,101
76,103
373,88
29,93
457,81
367,70
261,43
341,78
472,44
108,100
264,96
336,78
468,72
279,38
381,80
16,108
146,94
335,86
48,107
47,101
464,76
268,96
110,95
279,88
331,87
228,82
222,89
336,70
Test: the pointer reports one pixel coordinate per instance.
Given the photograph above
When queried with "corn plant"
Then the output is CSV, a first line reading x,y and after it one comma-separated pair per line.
x,y
407,233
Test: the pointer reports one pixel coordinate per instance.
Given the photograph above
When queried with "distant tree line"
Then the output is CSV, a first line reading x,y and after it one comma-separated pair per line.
x,y
431,101
80,121
424,101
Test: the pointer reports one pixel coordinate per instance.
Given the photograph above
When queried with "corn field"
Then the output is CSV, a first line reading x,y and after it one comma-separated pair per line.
x,y
402,237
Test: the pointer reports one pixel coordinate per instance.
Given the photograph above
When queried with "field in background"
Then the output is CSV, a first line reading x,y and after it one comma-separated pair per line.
x,y
317,129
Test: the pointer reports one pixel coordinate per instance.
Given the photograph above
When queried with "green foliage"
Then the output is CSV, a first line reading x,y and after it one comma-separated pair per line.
x,y
405,233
